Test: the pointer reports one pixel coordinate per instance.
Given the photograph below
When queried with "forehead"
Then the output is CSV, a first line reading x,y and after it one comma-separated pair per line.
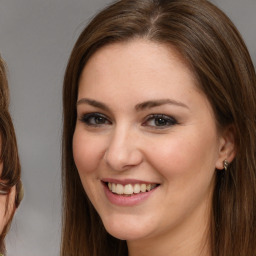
x,y
137,64
139,51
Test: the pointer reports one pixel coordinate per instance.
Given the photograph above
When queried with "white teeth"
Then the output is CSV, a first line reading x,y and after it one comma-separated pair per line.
x,y
129,189
113,188
119,189
136,188
143,187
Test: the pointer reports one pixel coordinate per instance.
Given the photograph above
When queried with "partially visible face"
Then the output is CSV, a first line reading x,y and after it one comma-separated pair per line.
x,y
145,143
6,203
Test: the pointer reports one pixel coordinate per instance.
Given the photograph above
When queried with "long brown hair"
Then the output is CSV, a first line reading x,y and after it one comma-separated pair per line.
x,y
10,175
215,51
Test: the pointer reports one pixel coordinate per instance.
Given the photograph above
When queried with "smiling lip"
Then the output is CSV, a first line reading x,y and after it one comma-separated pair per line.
x,y
128,197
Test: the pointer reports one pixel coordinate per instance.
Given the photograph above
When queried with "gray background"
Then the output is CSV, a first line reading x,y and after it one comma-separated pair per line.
x,y
36,37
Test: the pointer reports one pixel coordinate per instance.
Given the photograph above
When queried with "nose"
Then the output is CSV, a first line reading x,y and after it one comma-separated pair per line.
x,y
123,152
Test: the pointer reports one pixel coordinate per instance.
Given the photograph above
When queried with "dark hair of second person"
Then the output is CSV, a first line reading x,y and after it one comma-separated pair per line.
x,y
11,191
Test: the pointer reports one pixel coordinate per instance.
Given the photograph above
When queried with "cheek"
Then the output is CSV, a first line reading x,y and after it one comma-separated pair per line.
x,y
186,164
86,156
87,151
184,154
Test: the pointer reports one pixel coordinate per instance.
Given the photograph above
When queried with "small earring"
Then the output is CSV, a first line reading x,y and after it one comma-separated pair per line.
x,y
225,164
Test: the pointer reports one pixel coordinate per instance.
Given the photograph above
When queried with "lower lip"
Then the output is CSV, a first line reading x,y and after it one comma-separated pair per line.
x,y
132,200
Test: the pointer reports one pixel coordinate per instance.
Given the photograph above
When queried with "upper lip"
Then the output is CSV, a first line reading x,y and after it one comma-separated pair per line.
x,y
127,181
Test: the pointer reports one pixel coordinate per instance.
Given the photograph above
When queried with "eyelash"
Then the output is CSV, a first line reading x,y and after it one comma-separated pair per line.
x,y
87,118
165,121
98,119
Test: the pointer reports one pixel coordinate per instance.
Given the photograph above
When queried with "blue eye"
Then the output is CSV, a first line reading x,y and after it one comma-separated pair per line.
x,y
95,119
159,121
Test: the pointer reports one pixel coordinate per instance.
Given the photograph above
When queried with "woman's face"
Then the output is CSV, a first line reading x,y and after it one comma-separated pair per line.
x,y
145,143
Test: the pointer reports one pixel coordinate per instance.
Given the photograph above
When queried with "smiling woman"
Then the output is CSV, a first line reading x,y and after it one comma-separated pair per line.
x,y
11,192
139,142
157,101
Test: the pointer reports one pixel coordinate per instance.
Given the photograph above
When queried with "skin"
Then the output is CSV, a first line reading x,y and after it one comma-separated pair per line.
x,y
5,213
128,143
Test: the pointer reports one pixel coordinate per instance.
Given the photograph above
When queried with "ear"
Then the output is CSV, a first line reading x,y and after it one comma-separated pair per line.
x,y
227,147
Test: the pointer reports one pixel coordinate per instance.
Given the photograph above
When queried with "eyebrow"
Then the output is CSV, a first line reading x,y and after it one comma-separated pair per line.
x,y
93,103
160,102
139,107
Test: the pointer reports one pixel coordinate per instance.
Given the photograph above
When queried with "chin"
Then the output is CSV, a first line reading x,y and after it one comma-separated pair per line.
x,y
126,230
127,235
